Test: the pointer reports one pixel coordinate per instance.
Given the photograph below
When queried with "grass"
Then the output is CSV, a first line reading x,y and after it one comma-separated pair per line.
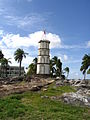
x,y
30,106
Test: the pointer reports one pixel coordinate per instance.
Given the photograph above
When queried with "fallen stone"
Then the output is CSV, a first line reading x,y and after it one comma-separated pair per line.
x,y
76,99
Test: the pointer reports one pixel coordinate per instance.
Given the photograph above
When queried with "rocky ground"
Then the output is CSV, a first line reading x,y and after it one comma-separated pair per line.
x,y
80,97
20,85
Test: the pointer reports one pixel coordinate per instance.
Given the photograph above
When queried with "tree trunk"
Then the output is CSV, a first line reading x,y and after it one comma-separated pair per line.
x,y
84,75
20,69
6,71
67,75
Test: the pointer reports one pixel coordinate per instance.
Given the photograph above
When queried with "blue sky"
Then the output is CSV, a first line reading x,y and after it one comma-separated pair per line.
x,y
67,23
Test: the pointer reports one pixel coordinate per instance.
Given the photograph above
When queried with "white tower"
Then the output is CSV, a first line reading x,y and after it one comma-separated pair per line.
x,y
43,64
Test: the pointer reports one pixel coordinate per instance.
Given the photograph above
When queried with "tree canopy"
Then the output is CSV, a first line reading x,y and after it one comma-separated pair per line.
x,y
85,64
18,56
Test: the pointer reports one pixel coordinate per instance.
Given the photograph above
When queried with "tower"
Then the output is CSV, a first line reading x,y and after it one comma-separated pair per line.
x,y
43,64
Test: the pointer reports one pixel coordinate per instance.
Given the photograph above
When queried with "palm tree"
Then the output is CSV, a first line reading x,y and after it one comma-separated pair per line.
x,y
4,64
88,72
31,69
52,68
35,64
1,54
58,65
54,60
85,64
18,56
67,71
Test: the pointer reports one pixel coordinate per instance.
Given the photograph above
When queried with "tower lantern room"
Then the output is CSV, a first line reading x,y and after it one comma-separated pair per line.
x,y
43,64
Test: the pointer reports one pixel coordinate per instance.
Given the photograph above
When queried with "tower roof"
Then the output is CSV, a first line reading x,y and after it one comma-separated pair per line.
x,y
44,41
44,38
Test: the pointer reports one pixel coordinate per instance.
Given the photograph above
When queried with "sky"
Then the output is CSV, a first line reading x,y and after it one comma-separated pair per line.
x,y
67,24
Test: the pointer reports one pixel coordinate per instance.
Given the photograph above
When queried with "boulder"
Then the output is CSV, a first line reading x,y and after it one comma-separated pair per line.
x,y
35,88
76,99
59,83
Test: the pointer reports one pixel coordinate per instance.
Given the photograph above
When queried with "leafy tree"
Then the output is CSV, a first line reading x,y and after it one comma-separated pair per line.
x,y
52,68
88,72
32,67
4,64
85,64
35,64
18,56
67,71
1,54
58,65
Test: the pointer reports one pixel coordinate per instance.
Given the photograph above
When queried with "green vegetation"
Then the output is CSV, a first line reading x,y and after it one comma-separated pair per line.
x,y
4,64
1,54
88,72
31,106
32,67
67,71
55,66
18,56
85,64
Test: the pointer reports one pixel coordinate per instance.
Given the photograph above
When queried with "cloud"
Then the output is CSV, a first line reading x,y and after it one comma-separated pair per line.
x,y
31,20
73,46
65,57
10,42
1,33
88,44
9,53
2,11
15,40
26,21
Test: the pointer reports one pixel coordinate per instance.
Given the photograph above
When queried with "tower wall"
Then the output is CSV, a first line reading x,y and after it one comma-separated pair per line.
x,y
43,66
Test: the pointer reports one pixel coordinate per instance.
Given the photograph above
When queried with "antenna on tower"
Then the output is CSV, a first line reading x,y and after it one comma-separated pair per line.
x,y
44,32
44,35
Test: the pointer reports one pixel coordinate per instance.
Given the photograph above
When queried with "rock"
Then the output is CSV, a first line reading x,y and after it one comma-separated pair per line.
x,y
76,99
44,89
50,81
71,82
66,82
53,97
44,96
11,80
77,82
35,88
59,83
82,83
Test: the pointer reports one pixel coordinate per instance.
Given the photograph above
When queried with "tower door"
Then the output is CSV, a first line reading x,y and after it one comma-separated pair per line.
x,y
42,69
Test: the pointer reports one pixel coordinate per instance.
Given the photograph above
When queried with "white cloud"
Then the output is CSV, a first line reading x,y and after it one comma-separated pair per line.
x,y
65,57
1,33
30,20
88,44
73,46
15,41
10,42
9,53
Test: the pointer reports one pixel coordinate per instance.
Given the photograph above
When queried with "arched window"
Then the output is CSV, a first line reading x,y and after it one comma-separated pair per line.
x,y
42,60
47,60
42,69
